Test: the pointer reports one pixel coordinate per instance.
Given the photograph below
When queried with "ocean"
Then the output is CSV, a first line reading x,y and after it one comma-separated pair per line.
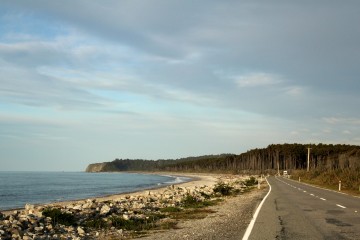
x,y
19,188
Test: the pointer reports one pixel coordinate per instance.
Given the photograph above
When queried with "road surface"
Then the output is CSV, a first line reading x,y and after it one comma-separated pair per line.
x,y
295,210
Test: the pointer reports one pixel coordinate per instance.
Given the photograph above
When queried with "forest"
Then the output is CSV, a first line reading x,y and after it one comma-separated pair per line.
x,y
275,157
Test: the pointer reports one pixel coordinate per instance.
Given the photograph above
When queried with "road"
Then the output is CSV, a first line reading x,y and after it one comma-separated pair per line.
x,y
295,210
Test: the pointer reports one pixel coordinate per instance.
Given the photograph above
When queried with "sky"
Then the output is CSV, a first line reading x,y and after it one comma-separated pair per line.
x,y
91,81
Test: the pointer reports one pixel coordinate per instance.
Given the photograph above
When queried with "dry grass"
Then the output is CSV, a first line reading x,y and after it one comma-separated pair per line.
x,y
350,179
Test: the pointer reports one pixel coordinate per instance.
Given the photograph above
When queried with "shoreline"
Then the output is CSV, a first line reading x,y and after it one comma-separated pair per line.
x,y
190,209
106,197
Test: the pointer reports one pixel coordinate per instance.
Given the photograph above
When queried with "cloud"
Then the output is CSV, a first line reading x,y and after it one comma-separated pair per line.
x,y
342,120
243,68
257,80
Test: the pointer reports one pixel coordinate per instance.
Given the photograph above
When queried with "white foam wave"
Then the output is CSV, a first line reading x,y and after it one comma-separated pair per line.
x,y
177,180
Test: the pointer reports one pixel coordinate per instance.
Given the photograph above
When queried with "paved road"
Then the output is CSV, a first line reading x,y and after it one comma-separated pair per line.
x,y
295,210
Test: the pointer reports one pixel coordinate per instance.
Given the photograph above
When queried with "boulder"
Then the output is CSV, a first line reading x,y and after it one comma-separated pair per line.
x,y
29,207
80,231
77,207
105,209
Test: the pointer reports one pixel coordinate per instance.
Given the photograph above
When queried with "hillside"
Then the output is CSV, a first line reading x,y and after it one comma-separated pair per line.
x,y
275,156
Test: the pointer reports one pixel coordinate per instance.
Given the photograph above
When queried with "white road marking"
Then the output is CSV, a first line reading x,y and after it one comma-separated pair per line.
x,y
312,194
252,222
304,191
323,199
340,206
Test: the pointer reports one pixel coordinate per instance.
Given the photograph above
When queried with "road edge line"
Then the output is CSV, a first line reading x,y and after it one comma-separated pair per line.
x,y
252,222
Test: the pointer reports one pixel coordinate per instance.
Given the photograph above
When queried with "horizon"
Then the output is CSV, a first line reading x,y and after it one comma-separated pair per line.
x,y
87,82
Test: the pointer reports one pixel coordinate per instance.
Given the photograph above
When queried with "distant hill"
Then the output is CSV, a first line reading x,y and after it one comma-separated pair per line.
x,y
275,156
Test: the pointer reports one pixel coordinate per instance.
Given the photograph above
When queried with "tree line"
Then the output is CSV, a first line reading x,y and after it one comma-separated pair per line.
x,y
269,159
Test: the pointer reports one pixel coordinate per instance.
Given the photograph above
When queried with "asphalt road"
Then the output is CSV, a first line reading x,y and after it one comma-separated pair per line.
x,y
295,210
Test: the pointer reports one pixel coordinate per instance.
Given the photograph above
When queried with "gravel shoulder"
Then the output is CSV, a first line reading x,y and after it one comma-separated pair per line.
x,y
229,221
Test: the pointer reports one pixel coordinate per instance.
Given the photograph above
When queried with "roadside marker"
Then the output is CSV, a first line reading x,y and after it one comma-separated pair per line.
x,y
340,206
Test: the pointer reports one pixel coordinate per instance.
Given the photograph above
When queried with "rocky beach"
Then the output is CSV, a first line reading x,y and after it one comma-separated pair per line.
x,y
210,206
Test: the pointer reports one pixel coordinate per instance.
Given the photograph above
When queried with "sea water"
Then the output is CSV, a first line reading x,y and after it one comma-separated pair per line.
x,y
19,188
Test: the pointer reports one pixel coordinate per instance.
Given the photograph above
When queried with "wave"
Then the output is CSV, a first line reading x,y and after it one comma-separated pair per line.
x,y
177,180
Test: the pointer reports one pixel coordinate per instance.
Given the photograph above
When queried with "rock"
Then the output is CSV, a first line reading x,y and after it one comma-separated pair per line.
x,y
49,227
80,231
29,207
105,209
126,217
2,216
77,207
38,229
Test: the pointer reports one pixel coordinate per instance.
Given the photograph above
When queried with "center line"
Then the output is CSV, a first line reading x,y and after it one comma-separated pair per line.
x,y
312,194
340,206
323,199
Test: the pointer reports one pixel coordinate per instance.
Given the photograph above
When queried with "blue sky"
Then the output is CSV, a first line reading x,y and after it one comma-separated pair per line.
x,y
91,81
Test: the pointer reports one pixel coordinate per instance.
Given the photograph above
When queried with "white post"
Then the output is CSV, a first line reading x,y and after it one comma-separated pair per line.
x,y
299,179
258,184
339,186
308,159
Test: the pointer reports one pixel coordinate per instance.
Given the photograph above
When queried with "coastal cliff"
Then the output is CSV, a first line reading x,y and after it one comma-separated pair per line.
x,y
101,167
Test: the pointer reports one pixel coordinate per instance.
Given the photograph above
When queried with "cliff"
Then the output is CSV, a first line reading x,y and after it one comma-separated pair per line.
x,y
101,167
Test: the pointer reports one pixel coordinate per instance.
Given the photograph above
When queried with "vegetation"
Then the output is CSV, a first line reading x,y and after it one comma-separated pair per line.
x,y
223,188
170,209
136,224
190,201
329,164
256,161
59,217
350,179
251,181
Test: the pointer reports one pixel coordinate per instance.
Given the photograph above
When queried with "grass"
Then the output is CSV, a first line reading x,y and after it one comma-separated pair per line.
x,y
96,223
188,214
350,179
136,224
170,209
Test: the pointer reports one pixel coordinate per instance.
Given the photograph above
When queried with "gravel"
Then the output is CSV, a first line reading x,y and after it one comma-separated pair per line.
x,y
228,222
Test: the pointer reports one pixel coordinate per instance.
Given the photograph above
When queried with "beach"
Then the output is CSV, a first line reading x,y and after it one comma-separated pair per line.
x,y
228,218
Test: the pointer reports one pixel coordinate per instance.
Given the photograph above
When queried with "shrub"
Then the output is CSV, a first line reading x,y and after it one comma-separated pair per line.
x,y
96,223
189,201
59,217
251,181
223,188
